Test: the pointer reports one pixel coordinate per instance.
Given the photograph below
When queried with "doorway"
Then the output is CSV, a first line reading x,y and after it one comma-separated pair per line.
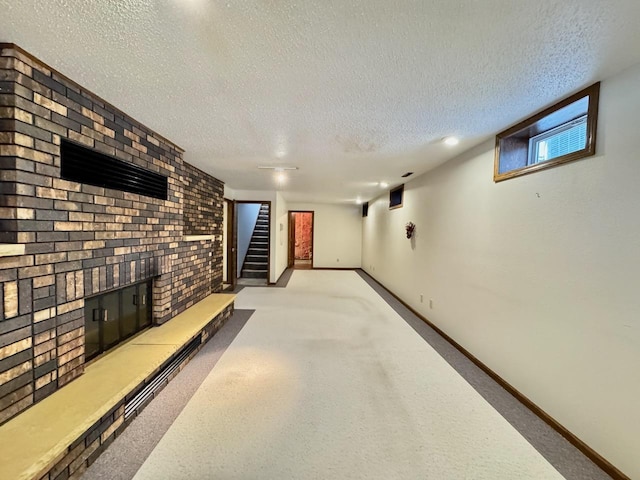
x,y
228,248
301,225
253,242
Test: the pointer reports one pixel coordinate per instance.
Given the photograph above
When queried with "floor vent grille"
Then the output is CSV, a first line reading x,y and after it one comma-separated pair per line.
x,y
156,383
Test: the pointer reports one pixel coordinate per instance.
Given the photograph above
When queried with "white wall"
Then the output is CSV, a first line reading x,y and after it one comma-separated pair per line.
x,y
229,193
247,216
536,276
337,234
282,235
226,239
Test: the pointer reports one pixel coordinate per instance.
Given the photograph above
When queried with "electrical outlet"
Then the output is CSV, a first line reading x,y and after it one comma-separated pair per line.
x,y
421,298
431,303
337,260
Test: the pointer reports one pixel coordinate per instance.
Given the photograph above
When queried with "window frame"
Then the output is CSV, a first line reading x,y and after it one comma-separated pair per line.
x,y
531,124
541,137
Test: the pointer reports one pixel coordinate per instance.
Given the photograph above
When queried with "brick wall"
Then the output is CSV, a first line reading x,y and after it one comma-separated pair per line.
x,y
303,236
83,240
202,203
203,212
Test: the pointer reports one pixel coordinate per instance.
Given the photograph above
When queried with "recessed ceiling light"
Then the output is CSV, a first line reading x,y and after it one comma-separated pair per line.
x,y
359,201
384,184
281,177
451,141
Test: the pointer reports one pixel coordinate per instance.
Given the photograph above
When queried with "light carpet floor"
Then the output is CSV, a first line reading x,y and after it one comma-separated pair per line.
x,y
327,381
131,448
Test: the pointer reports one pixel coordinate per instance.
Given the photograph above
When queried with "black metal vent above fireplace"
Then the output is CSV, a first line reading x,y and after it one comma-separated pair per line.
x,y
85,165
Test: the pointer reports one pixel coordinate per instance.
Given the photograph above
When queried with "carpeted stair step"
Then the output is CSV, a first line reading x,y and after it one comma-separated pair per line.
x,y
254,274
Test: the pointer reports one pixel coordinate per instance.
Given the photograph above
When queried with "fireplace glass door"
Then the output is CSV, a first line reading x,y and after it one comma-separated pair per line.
x,y
129,319
110,322
91,327
143,302
114,316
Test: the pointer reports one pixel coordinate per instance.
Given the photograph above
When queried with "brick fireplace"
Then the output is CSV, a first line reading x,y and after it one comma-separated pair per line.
x,y
81,240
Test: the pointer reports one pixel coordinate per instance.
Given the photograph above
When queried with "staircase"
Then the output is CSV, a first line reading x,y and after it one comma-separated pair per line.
x,y
256,262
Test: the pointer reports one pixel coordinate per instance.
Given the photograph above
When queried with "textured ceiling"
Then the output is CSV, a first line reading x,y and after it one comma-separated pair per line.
x,y
352,92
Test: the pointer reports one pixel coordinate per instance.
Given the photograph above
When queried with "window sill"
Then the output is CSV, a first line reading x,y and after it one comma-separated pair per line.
x,y
11,249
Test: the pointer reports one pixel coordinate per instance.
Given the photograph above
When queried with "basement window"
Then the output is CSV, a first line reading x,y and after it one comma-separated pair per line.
x,y
562,133
567,138
395,197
